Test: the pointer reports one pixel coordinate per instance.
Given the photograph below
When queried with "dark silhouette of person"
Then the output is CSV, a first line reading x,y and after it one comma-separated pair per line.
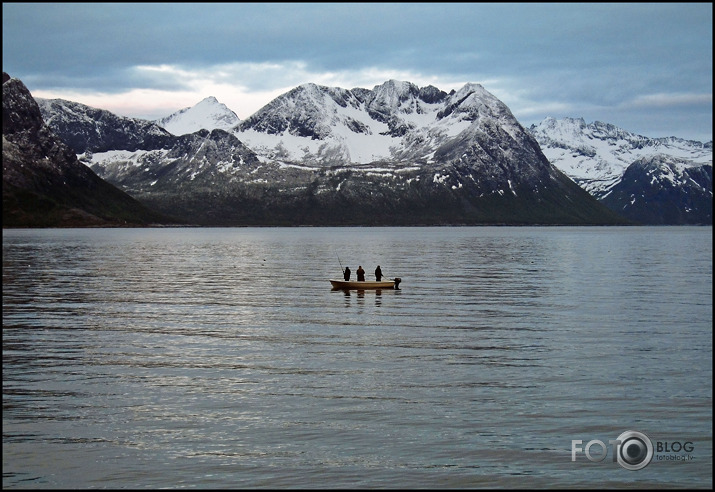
x,y
378,273
360,274
346,274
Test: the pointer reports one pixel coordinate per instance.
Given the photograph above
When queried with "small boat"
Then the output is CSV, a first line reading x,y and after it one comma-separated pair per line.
x,y
366,284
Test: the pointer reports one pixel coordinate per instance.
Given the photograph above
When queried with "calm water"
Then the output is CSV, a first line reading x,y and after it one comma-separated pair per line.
x,y
221,358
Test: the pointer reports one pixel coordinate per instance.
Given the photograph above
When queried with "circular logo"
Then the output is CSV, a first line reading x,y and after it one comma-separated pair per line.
x,y
635,450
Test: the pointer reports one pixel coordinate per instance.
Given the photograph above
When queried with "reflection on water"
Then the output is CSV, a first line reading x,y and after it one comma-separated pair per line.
x,y
361,294
223,357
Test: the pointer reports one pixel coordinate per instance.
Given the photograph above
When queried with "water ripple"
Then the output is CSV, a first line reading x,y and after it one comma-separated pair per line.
x,y
222,357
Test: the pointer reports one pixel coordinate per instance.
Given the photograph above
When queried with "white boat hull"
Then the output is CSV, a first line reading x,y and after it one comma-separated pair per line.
x,y
365,284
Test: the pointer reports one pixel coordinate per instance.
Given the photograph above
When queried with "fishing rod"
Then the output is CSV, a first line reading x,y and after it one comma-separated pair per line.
x,y
341,263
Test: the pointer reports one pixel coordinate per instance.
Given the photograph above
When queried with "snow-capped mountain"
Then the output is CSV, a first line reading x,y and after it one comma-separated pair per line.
x,y
208,114
396,121
647,180
596,155
396,154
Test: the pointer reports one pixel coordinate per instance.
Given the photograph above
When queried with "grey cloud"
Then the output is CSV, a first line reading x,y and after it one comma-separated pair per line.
x,y
587,55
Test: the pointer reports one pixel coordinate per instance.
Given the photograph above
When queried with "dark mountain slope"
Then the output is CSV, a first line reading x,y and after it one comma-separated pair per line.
x,y
44,185
662,190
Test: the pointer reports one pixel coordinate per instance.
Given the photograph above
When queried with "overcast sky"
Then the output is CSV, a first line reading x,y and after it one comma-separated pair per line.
x,y
645,67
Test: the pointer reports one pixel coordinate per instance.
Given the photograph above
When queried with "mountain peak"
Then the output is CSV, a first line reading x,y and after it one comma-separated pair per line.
x,y
471,87
207,114
393,92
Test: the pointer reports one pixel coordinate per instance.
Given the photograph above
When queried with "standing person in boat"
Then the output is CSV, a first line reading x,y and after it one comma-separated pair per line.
x,y
378,273
346,274
360,274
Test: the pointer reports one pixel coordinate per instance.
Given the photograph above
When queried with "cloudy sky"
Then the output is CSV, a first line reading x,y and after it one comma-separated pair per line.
x,y
645,67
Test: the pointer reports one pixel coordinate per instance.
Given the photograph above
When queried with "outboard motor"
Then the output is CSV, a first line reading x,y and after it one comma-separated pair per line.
x,y
397,282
